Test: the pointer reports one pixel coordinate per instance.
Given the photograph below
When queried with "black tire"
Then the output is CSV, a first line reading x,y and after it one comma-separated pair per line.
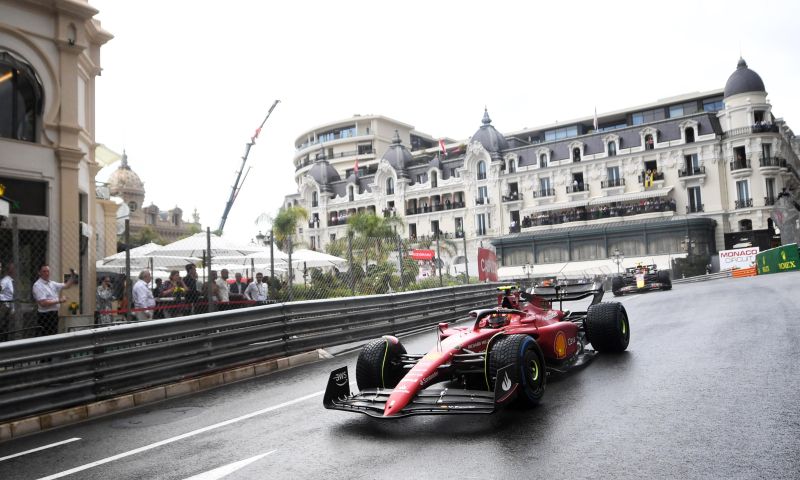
x,y
607,327
616,286
379,365
524,353
664,280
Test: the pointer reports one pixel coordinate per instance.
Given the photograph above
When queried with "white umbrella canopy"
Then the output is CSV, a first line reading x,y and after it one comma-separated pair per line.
x,y
262,255
145,256
312,258
195,245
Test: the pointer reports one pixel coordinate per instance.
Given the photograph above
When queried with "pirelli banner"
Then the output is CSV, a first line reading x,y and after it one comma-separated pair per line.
x,y
780,259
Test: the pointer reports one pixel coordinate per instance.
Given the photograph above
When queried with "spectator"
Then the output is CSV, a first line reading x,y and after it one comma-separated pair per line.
x,y
105,297
223,294
173,287
237,288
6,301
143,297
190,281
257,290
48,298
157,288
212,281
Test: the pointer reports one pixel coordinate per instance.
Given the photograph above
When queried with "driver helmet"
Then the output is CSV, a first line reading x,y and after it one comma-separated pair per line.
x,y
496,320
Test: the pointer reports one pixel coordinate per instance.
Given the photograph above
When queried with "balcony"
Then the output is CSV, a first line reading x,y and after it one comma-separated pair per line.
x,y
576,188
614,182
695,208
740,164
514,229
769,201
482,201
546,192
611,210
692,172
657,176
743,203
759,128
771,164
514,197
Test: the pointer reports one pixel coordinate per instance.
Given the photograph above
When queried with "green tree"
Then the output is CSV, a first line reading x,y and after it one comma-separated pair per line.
x,y
146,235
373,232
285,224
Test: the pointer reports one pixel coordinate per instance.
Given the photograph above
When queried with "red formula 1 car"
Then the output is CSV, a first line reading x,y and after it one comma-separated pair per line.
x,y
504,355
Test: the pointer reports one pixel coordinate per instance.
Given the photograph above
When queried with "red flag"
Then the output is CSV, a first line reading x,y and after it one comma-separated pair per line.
x,y
441,146
355,168
255,135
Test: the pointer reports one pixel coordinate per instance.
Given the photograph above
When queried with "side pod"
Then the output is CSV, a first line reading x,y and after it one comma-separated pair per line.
x,y
338,387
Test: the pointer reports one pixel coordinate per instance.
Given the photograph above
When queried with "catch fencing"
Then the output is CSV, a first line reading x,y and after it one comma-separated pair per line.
x,y
44,374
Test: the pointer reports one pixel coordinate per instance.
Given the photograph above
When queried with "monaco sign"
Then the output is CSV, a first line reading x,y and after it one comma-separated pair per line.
x,y
487,265
737,258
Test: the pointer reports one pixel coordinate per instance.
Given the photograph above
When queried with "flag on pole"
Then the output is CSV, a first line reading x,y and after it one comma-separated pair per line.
x,y
355,168
255,135
441,147
595,118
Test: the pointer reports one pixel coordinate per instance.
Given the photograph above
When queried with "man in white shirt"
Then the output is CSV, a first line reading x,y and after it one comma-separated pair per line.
x,y
6,301
257,290
143,296
223,294
48,299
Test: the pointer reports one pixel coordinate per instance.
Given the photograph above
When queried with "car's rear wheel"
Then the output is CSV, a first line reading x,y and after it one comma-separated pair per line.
x,y
616,285
607,327
379,364
664,280
527,359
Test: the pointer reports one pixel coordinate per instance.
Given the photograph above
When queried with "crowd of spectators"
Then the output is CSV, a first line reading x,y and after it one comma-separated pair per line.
x,y
595,212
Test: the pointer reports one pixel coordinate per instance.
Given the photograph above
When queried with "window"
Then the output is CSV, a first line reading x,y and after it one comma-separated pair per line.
x,y
481,170
435,228
20,99
713,104
613,175
612,148
687,108
695,201
688,135
648,116
350,193
692,164
481,223
132,206
560,133
648,142
434,181
459,222
314,199
576,154
758,116
742,191
770,190
766,150
544,185
390,186
454,172
512,166
483,195
365,149
176,219
412,231
543,160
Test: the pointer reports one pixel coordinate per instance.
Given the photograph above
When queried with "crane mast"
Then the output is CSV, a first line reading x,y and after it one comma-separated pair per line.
x,y
237,185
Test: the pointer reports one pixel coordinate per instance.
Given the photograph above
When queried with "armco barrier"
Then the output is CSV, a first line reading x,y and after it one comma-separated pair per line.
x,y
780,259
43,374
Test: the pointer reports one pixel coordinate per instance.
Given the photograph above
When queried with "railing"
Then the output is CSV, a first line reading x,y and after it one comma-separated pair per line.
x,y
772,162
614,182
547,192
656,176
691,172
769,201
38,375
515,196
695,209
576,188
740,164
482,201
743,203
762,128
514,229
596,212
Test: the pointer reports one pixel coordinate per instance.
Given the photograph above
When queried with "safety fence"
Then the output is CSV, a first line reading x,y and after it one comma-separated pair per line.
x,y
48,373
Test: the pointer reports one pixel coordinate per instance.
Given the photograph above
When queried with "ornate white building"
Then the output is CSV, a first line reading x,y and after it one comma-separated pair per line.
x,y
698,171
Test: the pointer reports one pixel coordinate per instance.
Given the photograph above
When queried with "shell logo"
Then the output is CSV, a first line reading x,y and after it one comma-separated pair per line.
x,y
560,345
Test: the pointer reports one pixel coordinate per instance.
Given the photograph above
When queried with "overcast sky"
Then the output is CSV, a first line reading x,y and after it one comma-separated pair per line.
x,y
185,83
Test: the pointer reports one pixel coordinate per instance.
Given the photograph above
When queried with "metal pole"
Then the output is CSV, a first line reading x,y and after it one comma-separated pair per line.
x,y
271,257
291,270
350,258
439,260
466,258
400,260
17,325
128,285
212,305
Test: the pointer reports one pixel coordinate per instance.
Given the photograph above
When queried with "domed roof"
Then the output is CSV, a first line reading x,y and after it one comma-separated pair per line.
x,y
398,155
323,172
743,80
488,136
125,179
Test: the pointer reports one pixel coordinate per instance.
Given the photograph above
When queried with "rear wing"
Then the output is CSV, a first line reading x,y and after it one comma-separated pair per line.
x,y
568,293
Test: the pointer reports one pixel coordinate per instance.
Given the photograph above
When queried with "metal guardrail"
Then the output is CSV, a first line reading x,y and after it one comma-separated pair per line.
x,y
42,374
703,278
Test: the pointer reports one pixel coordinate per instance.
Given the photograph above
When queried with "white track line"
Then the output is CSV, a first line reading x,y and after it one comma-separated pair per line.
x,y
38,449
181,437
226,470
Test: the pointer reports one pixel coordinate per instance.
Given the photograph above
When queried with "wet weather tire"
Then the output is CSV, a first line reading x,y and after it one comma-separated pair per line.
x,y
607,327
664,280
379,364
616,286
524,353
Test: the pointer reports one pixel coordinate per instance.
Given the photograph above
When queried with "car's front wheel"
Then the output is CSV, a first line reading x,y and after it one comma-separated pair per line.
x,y
616,285
527,359
664,280
379,364
607,327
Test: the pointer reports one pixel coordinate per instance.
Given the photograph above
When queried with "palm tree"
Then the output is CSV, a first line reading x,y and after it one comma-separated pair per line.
x,y
285,224
369,226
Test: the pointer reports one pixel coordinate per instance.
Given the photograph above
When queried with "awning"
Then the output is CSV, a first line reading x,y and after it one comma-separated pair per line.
x,y
653,192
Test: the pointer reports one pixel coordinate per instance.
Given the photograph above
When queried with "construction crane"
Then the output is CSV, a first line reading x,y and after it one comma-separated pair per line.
x,y
237,186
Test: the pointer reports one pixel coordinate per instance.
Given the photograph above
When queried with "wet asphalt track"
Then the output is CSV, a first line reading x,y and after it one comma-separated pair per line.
x,y
710,388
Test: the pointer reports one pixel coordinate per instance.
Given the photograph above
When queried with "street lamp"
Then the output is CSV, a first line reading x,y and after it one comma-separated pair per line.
x,y
617,258
265,240
528,269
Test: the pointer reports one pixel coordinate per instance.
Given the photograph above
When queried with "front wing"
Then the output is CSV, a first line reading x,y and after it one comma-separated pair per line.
x,y
372,402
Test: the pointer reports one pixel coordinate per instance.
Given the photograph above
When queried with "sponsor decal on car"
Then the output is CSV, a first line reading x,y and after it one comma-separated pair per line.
x,y
477,344
340,379
506,383
560,345
428,379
